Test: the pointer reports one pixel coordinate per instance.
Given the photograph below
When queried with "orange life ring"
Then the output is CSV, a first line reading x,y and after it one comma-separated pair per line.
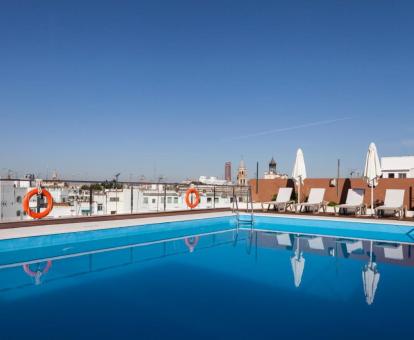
x,y
188,193
191,242
32,213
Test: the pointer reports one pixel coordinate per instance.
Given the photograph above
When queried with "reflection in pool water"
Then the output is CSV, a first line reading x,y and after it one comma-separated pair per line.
x,y
38,272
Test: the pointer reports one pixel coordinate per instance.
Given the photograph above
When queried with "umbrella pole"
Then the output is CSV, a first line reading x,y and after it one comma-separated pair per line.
x,y
300,180
372,198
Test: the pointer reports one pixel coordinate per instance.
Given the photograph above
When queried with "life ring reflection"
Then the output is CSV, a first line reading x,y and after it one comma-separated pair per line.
x,y
191,242
38,272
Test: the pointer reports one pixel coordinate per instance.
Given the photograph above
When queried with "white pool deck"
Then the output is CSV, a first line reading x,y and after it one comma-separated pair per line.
x,y
13,233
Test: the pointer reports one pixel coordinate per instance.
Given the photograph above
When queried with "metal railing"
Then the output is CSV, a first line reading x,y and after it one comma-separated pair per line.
x,y
77,198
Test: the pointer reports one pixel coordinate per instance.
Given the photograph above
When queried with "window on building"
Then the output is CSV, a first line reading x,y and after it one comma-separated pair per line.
x,y
216,200
175,200
391,175
231,199
169,200
402,175
162,200
19,200
145,200
18,213
209,199
113,199
113,212
153,201
100,207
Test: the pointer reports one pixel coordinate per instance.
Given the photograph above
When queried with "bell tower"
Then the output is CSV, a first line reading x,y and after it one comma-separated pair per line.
x,y
242,174
272,166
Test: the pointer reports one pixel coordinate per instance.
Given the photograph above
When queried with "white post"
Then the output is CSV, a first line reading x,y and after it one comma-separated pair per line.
x,y
372,198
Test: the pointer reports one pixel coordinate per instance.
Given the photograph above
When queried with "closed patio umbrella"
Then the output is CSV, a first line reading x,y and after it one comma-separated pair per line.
x,y
299,170
372,171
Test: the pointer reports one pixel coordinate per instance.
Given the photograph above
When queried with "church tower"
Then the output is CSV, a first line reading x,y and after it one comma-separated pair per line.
x,y
242,174
272,166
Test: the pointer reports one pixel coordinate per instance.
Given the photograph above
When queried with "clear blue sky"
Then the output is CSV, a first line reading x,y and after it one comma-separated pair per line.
x,y
92,88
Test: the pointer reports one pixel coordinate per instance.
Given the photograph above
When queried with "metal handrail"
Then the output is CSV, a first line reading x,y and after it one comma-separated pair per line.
x,y
251,204
235,207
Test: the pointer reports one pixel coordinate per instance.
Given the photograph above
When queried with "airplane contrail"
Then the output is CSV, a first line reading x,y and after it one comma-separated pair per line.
x,y
295,127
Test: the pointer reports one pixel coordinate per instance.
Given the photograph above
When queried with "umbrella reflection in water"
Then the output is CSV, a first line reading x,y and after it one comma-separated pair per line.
x,y
298,264
370,279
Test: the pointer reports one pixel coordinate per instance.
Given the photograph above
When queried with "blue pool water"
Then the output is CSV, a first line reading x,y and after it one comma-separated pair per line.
x,y
285,278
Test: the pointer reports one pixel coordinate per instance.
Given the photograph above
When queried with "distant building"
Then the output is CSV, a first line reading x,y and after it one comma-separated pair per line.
x,y
227,171
242,174
398,167
213,181
55,176
272,173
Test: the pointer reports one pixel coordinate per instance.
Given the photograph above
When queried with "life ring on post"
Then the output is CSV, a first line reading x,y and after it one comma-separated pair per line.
x,y
191,242
190,203
32,213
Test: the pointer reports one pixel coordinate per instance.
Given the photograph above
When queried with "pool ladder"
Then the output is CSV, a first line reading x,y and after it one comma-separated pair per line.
x,y
249,209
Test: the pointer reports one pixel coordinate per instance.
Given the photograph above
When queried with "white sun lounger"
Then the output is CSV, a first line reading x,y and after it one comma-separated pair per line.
x,y
284,239
316,243
392,251
282,201
315,201
354,202
354,246
394,202
351,246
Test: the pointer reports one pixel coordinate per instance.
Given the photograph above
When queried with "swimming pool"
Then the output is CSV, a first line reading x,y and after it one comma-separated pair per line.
x,y
210,279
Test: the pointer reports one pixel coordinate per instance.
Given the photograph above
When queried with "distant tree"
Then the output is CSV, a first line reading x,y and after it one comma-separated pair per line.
x,y
94,187
112,185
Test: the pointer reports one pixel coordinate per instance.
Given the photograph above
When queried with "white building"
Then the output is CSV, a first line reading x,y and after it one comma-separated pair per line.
x,y
272,173
213,181
11,198
398,167
59,194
